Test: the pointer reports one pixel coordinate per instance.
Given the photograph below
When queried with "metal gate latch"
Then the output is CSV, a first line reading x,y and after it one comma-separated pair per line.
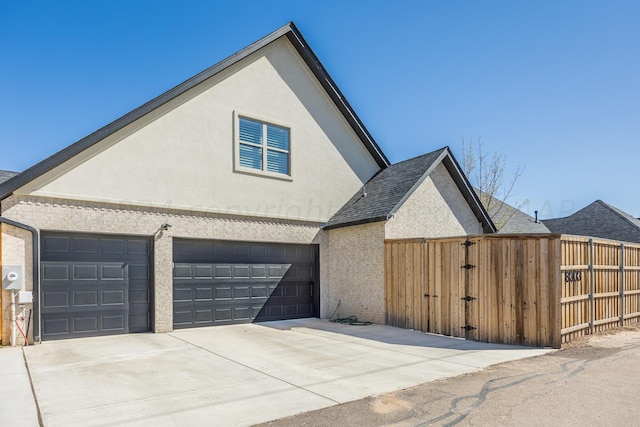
x,y
468,266
468,298
468,327
467,243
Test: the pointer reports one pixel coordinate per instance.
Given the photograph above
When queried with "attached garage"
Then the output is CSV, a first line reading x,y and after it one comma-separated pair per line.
x,y
94,285
225,282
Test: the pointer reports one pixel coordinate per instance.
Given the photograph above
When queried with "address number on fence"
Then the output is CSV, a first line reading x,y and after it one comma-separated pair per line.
x,y
572,276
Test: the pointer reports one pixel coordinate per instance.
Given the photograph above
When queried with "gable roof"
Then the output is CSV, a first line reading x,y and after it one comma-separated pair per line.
x,y
290,31
6,175
385,193
598,219
511,220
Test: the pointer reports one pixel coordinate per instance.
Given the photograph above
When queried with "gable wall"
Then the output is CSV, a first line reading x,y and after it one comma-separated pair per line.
x,y
181,156
436,208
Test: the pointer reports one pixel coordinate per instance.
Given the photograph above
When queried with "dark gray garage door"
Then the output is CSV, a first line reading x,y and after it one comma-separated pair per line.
x,y
220,282
94,285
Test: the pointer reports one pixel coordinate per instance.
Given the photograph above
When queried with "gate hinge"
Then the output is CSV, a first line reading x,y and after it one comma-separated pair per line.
x,y
468,298
467,243
468,328
468,266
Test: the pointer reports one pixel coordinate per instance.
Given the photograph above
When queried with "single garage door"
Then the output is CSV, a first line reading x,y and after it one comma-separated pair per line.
x,y
222,282
94,285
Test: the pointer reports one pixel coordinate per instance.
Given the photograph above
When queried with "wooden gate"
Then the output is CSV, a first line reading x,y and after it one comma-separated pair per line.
x,y
433,286
502,289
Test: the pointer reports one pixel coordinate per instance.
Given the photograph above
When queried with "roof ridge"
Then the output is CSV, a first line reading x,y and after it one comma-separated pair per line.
x,y
620,213
446,147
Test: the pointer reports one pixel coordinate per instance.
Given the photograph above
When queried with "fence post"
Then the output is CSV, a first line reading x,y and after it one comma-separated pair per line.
x,y
622,284
592,301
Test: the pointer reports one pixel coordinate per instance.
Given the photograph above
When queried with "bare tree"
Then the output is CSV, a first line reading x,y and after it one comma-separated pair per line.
x,y
488,174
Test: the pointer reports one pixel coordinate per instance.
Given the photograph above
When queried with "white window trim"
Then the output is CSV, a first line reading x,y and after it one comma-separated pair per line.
x,y
236,147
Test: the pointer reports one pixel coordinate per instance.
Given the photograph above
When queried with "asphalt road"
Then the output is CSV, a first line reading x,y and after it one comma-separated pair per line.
x,y
592,382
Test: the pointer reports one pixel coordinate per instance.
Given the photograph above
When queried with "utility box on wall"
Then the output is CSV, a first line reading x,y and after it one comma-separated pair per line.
x,y
12,278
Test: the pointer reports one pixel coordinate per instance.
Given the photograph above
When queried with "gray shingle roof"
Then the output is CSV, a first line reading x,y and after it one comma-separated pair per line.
x,y
383,195
599,219
7,175
511,220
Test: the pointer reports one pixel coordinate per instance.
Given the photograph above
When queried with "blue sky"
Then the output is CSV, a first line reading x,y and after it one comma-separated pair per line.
x,y
553,85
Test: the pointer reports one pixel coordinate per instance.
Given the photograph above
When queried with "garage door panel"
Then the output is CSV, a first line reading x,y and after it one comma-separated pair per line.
x,y
86,245
182,294
87,298
137,247
248,282
56,327
223,292
94,285
113,246
55,244
182,271
260,291
204,294
139,272
85,272
113,323
113,297
182,317
85,324
55,272
222,272
55,299
203,272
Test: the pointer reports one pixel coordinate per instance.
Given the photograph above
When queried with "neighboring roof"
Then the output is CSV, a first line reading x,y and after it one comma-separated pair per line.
x,y
385,193
511,220
6,175
599,219
295,38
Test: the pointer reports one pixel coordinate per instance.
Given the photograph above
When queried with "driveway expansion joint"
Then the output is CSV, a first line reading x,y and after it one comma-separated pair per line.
x,y
253,369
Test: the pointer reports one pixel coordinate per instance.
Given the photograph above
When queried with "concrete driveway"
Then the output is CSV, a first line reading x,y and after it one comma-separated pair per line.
x,y
242,374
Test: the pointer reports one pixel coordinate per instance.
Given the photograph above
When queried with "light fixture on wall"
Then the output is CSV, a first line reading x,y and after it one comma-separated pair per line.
x,y
163,227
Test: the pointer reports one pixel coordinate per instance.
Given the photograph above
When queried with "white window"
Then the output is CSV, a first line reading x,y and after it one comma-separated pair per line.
x,y
262,147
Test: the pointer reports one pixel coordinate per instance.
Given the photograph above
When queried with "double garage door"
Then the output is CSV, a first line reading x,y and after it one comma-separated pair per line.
x,y
224,282
94,285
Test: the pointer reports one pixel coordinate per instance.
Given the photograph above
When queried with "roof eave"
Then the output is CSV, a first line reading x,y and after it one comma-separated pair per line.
x,y
312,61
468,193
357,222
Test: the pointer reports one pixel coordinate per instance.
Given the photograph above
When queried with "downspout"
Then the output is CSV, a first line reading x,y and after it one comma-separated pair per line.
x,y
36,272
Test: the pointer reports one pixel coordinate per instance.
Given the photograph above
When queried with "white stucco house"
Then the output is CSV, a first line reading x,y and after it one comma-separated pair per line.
x,y
250,192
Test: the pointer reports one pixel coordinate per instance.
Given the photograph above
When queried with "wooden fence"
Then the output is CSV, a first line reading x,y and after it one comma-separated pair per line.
x,y
601,285
539,290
